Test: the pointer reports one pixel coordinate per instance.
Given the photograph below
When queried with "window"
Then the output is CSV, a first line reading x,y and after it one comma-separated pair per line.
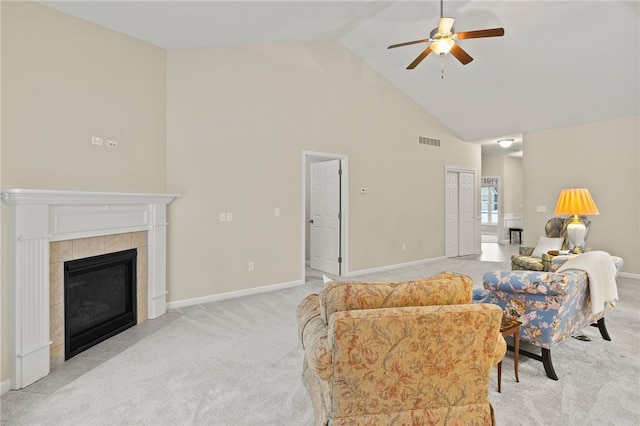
x,y
489,201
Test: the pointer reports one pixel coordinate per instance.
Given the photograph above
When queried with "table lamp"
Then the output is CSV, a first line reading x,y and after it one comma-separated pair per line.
x,y
576,202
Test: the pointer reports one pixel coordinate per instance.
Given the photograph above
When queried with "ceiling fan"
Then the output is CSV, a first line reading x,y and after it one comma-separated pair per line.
x,y
443,40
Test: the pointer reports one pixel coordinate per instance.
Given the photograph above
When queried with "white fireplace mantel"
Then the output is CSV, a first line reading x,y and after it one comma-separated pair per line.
x,y
38,217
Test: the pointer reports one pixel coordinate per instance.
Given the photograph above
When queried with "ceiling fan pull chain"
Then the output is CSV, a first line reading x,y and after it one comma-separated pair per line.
x,y
442,62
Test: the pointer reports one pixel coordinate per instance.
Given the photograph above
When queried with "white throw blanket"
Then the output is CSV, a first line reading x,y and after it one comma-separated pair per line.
x,y
601,271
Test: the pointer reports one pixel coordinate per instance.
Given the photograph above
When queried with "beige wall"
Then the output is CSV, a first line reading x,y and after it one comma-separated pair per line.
x,y
603,157
238,122
513,202
509,169
65,80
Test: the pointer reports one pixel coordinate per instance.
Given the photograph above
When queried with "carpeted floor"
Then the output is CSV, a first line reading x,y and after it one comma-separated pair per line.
x,y
238,362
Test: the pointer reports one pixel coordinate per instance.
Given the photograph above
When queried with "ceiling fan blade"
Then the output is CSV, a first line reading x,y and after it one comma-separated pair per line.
x,y
493,32
445,25
460,54
419,59
408,43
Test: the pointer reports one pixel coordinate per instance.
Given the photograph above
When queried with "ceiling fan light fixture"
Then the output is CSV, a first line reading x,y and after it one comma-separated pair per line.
x,y
443,40
442,46
505,143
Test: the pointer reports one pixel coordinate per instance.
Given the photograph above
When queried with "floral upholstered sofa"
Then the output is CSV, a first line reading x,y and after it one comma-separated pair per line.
x,y
400,353
550,305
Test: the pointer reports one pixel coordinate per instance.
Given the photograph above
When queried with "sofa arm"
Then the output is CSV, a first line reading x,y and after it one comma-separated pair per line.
x,y
413,358
530,282
312,331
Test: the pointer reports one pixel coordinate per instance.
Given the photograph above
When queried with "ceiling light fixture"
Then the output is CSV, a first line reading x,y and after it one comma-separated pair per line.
x,y
505,143
442,46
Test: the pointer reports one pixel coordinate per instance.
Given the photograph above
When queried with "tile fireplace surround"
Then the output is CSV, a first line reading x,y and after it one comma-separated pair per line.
x,y
40,217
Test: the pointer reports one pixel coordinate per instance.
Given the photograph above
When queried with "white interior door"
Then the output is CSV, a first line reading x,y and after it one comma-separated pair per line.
x,y
459,213
451,213
324,209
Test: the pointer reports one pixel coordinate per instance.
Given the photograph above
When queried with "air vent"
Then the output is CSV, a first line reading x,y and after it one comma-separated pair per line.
x,y
428,141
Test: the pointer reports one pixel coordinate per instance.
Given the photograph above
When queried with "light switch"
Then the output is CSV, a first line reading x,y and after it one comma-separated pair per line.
x,y
541,209
229,217
277,211
223,217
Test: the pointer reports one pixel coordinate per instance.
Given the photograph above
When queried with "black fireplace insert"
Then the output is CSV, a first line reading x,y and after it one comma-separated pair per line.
x,y
99,299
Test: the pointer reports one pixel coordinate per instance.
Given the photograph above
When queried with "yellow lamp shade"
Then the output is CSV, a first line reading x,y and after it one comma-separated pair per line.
x,y
576,201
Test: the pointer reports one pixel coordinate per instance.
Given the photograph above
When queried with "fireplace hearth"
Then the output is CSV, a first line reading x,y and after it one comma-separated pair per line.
x,y
100,299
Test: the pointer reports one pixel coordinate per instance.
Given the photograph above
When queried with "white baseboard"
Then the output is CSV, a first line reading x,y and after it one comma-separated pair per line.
x,y
629,275
231,295
5,387
396,266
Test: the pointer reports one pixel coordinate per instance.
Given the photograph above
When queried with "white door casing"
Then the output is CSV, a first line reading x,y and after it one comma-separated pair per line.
x,y
324,248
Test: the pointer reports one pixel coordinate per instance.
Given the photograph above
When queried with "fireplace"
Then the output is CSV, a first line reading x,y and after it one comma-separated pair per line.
x,y
39,219
99,299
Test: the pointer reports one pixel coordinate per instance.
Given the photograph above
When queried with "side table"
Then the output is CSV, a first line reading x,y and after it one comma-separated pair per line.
x,y
510,327
519,231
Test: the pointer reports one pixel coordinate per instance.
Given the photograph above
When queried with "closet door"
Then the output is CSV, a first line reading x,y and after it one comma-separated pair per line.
x,y
465,213
459,212
451,214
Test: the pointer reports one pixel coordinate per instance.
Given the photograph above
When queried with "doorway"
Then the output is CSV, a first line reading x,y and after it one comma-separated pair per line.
x,y
324,222
460,195
490,207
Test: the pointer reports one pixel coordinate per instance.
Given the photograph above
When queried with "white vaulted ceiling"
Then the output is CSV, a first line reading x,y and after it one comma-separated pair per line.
x,y
560,63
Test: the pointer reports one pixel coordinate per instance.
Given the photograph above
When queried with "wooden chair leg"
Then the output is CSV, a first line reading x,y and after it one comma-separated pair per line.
x,y
603,329
545,358
546,353
548,365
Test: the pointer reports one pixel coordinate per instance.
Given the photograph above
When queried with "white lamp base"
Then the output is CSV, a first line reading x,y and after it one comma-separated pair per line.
x,y
576,232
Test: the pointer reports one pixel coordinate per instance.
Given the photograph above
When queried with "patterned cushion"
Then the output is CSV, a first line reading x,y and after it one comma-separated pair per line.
x,y
446,288
526,263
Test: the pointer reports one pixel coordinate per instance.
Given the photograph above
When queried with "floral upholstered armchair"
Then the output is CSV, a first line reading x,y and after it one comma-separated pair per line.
x,y
536,258
378,354
551,306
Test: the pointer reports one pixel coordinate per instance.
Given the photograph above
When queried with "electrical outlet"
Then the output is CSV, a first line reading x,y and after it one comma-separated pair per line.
x,y
541,209
277,211
250,266
404,246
